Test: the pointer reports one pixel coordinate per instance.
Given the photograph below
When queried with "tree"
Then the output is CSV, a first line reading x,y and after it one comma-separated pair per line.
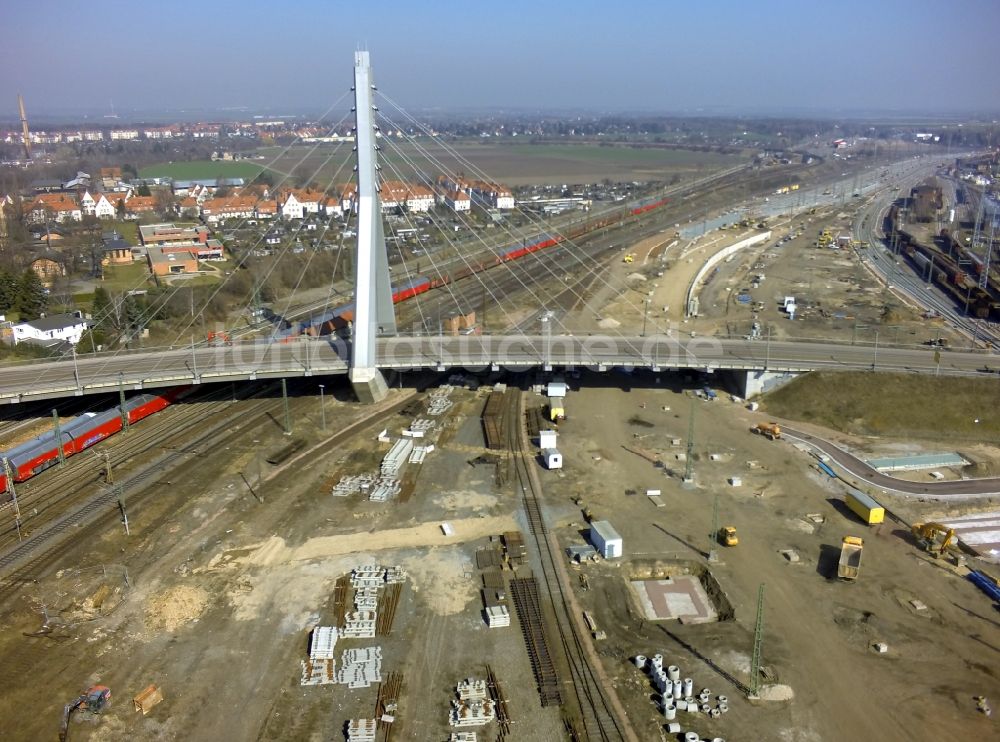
x,y
102,309
8,290
143,190
31,296
120,209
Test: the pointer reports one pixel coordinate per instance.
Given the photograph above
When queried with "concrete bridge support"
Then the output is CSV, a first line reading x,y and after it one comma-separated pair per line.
x,y
760,382
373,310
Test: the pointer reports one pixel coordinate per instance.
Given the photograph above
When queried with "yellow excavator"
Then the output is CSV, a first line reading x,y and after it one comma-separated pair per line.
x,y
935,538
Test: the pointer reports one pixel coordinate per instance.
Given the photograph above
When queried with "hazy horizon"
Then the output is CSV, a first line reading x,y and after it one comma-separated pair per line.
x,y
723,58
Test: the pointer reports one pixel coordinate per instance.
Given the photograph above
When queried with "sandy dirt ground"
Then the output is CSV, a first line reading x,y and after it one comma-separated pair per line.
x,y
818,632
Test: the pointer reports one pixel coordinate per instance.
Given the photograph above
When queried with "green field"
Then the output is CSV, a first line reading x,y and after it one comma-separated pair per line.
x,y
514,164
893,405
201,170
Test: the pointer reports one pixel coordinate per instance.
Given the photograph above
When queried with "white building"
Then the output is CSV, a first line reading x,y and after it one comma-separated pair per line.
x,y
552,458
458,201
107,208
118,135
419,199
605,539
87,204
49,330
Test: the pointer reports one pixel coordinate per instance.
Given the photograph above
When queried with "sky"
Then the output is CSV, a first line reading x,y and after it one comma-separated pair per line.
x,y
716,56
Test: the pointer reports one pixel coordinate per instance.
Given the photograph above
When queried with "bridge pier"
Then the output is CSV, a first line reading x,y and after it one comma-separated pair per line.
x,y
369,385
758,381
373,313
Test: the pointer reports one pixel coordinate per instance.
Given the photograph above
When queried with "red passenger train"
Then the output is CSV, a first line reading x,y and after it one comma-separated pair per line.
x,y
28,459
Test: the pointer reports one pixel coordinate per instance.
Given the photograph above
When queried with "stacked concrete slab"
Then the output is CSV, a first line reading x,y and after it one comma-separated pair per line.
x,y
361,730
359,668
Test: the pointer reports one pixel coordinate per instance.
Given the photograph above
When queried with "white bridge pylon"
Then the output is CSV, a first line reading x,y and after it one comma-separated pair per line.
x,y
373,310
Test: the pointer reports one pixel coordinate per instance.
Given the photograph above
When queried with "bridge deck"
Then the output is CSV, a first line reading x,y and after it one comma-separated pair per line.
x,y
104,372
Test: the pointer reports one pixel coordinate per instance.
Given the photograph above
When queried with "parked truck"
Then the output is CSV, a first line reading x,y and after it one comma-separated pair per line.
x,y
850,557
769,430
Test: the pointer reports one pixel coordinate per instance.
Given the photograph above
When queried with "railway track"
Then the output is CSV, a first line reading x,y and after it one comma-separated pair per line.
x,y
46,540
596,715
42,498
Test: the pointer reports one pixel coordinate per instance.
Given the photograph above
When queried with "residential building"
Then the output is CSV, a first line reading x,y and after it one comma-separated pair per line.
x,y
296,203
111,177
87,203
419,198
214,210
107,204
120,135
137,206
48,267
458,201
58,207
267,209
51,330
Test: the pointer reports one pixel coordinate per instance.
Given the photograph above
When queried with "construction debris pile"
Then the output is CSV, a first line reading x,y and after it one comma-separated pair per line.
x,y
677,694
473,707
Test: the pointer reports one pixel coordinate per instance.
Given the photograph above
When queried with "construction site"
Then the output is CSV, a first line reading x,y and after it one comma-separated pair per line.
x,y
425,573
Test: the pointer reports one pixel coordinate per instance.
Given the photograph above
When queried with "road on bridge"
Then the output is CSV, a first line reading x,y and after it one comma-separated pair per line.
x,y
306,357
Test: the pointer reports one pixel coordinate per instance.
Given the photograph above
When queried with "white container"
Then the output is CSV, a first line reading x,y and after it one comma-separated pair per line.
x,y
553,459
678,689
674,673
670,712
691,737
668,688
640,661
657,661
688,687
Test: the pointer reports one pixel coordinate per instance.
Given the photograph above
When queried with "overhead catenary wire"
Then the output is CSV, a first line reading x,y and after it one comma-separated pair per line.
x,y
162,301
596,272
479,277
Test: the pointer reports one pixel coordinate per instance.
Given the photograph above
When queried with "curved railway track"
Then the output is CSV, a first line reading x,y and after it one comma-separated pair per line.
x,y
597,716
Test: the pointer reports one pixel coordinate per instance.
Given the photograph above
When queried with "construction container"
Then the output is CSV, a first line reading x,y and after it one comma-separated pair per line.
x,y
552,458
606,539
547,439
864,506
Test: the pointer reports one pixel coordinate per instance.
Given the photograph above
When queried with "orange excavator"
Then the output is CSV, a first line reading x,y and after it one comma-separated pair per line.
x,y
94,701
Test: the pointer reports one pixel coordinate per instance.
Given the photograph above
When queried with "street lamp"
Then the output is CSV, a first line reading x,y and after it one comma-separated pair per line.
x,y
645,314
322,408
875,353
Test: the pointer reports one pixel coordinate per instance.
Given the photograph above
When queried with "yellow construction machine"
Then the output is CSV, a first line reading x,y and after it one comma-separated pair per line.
x,y
935,538
728,537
